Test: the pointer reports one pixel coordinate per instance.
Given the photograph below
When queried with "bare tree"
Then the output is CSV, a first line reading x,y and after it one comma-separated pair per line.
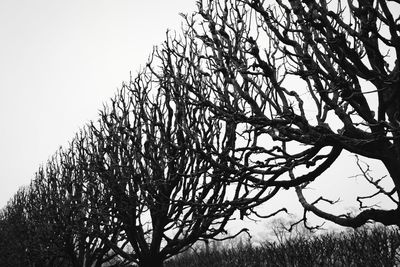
x,y
251,99
15,241
61,210
148,180
90,205
153,152
305,81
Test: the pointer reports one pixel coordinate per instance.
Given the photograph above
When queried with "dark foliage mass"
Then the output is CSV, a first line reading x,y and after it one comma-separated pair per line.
x,y
250,98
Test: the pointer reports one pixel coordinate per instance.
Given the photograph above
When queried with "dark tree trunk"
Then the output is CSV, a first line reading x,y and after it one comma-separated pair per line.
x,y
151,261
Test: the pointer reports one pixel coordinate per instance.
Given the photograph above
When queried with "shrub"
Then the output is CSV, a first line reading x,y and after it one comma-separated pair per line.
x,y
378,246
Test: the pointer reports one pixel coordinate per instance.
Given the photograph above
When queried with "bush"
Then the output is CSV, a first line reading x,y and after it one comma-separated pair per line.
x,y
378,246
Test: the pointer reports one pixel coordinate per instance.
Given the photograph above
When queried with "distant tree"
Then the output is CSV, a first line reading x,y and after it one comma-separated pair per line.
x,y
56,221
63,209
281,229
93,206
303,81
15,240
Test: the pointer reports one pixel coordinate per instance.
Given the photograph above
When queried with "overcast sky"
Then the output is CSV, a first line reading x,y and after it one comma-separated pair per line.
x,y
59,62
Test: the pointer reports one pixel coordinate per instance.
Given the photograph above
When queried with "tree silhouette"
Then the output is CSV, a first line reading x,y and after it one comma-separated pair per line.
x,y
152,154
305,80
58,216
14,229
145,182
251,99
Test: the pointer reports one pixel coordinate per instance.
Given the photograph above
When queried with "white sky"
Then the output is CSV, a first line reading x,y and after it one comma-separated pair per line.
x,y
59,62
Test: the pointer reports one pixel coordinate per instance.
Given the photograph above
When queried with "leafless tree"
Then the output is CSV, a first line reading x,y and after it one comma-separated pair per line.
x,y
62,212
302,81
14,232
153,152
251,98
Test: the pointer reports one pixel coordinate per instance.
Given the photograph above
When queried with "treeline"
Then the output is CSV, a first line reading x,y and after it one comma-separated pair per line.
x,y
247,100
371,247
135,186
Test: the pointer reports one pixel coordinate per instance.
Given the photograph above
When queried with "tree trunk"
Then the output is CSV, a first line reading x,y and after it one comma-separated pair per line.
x,y
151,261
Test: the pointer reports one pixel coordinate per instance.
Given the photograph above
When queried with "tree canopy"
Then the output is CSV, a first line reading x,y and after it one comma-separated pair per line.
x,y
303,81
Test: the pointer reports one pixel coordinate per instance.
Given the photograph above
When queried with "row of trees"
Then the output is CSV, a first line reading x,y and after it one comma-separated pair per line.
x,y
137,184
250,99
